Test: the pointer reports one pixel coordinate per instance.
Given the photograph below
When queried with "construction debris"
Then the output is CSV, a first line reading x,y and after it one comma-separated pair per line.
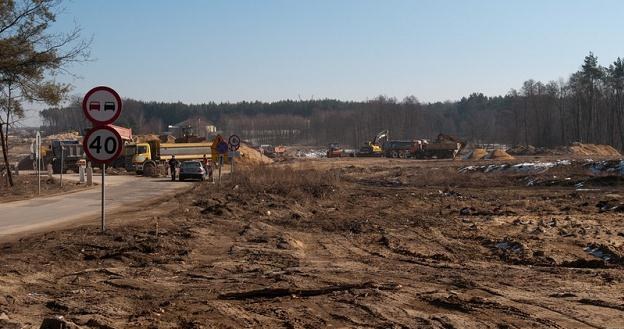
x,y
476,154
499,154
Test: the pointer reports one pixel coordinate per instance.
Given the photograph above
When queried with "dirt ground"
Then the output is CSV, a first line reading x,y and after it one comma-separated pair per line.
x,y
26,187
339,243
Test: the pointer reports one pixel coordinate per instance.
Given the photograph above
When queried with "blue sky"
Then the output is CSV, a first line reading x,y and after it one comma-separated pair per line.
x,y
201,51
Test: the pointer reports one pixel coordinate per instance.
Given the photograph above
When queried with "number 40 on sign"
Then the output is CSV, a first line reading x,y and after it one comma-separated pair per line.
x,y
103,144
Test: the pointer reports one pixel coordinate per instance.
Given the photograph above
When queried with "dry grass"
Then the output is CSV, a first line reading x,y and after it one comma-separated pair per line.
x,y
286,181
26,187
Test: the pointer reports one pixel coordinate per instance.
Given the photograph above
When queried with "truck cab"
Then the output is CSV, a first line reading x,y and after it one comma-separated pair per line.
x,y
142,154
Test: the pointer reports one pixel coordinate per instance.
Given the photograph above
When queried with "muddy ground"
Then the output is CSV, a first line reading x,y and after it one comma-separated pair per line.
x,y
339,243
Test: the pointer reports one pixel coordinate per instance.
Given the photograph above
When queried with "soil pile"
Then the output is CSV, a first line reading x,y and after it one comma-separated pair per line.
x,y
70,135
592,149
499,154
476,154
252,157
146,138
526,150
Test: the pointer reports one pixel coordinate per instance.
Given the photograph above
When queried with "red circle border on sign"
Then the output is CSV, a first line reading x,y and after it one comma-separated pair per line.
x,y
88,116
85,147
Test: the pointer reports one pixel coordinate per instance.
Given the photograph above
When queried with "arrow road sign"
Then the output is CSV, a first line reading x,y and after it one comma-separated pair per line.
x,y
102,144
102,105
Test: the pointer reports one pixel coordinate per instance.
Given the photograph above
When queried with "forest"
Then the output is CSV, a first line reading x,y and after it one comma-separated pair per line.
x,y
587,107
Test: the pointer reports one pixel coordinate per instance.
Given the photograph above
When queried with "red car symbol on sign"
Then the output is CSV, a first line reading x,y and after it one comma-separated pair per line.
x,y
94,106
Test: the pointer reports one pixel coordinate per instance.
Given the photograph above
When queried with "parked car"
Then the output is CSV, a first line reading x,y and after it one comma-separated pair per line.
x,y
192,169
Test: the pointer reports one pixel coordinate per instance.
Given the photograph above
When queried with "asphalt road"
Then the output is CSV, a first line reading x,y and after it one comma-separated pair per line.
x,y
121,191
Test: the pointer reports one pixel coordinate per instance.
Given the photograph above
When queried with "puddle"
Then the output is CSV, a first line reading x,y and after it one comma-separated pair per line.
x,y
599,252
513,246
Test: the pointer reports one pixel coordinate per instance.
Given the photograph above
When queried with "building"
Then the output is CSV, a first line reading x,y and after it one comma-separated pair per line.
x,y
194,126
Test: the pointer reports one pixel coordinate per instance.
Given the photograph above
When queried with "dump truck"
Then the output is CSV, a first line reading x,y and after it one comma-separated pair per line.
x,y
373,148
150,158
444,147
399,148
63,155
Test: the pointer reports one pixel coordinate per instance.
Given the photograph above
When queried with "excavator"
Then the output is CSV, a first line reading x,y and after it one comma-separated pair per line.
x,y
373,148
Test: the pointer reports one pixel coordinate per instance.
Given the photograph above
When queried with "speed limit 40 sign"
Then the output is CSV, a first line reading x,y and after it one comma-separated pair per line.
x,y
102,144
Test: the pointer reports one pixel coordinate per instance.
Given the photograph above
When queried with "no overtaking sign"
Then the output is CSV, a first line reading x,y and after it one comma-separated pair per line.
x,y
102,105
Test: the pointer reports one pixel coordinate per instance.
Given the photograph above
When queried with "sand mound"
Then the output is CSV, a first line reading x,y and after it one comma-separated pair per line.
x,y
499,154
525,150
476,154
592,149
70,135
251,156
145,138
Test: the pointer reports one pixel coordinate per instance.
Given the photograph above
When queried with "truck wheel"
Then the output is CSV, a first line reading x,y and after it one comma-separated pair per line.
x,y
395,154
149,170
403,155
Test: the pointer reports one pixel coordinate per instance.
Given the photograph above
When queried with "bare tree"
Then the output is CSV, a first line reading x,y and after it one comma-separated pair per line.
x,y
31,57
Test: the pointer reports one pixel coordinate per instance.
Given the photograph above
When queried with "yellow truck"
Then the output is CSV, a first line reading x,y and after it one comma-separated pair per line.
x,y
150,158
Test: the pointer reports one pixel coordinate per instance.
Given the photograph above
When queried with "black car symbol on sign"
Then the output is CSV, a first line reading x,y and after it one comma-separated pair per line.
x,y
109,106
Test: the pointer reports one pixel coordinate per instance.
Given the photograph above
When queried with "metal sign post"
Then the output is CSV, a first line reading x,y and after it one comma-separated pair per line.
x,y
62,161
37,158
103,144
103,197
220,165
233,145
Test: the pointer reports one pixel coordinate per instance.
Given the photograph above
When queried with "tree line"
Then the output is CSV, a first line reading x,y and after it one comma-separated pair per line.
x,y
587,107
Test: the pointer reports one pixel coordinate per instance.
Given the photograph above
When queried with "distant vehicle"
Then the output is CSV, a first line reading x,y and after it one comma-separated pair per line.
x,y
373,148
72,152
444,147
399,148
150,157
193,170
335,151
267,150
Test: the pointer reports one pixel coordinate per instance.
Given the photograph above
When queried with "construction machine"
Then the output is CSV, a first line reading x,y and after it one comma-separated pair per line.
x,y
63,155
399,148
444,147
373,148
150,157
334,150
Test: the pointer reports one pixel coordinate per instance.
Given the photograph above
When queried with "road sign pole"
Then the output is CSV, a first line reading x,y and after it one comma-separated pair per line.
x,y
62,161
102,106
103,198
38,176
38,157
220,165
